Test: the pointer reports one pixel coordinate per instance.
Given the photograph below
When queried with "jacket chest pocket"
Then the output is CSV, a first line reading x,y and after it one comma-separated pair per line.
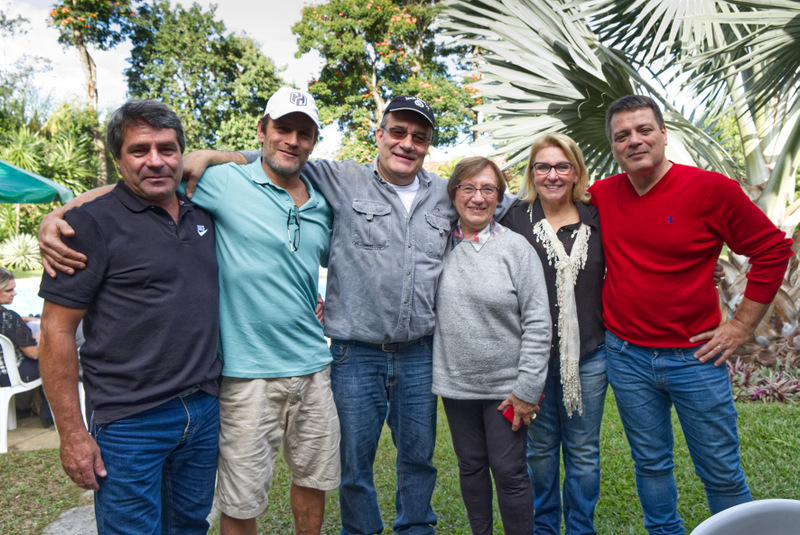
x,y
371,224
437,228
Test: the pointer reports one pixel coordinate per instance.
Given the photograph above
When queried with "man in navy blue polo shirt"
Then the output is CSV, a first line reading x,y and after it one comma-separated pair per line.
x,y
150,305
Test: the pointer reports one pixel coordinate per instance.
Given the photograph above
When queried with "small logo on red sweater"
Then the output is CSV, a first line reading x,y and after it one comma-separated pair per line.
x,y
669,219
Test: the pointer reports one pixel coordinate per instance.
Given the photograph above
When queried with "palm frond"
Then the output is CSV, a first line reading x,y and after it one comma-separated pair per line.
x,y
543,69
768,56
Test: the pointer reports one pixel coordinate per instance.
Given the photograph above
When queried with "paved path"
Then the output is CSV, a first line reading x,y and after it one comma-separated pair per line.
x,y
81,521
76,521
30,436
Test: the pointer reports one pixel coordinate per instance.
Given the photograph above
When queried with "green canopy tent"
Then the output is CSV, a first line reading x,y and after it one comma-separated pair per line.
x,y
20,186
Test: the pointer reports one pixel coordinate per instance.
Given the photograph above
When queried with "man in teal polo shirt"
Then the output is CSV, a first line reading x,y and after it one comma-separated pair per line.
x,y
273,232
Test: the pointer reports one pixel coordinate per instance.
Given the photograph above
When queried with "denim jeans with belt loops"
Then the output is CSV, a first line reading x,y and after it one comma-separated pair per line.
x,y
162,466
372,386
553,434
647,381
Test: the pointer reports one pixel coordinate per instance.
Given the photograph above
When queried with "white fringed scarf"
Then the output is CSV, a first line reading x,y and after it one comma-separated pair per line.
x,y
567,267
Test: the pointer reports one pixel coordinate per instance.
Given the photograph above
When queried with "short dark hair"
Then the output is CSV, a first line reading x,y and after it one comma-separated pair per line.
x,y
468,168
135,112
631,103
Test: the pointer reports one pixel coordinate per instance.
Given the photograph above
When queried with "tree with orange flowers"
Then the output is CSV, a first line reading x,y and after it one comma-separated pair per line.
x,y
375,50
100,23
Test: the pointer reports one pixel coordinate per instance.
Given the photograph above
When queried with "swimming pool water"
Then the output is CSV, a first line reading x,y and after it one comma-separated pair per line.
x,y
27,302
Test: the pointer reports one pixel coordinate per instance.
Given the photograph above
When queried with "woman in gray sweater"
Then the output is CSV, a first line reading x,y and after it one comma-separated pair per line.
x,y
490,349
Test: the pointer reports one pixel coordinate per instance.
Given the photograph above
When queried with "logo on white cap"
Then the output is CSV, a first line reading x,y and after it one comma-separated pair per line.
x,y
289,100
297,98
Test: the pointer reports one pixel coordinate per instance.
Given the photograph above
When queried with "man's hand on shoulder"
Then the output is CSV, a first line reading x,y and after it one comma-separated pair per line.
x,y
196,162
81,459
55,255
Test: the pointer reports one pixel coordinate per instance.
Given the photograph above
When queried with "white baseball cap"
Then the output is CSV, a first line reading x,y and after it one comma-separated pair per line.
x,y
289,100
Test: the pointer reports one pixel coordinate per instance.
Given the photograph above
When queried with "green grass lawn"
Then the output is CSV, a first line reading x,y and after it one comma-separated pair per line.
x,y
28,274
35,490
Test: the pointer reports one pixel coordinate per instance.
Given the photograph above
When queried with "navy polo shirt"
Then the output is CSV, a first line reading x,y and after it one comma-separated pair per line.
x,y
151,294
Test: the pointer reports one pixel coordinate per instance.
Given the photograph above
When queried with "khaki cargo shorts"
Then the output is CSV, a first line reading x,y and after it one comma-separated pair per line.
x,y
258,417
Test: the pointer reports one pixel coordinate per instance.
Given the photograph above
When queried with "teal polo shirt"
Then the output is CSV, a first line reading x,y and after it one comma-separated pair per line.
x,y
268,292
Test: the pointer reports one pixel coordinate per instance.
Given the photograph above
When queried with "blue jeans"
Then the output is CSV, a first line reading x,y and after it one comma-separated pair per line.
x,y
161,465
371,386
553,433
646,382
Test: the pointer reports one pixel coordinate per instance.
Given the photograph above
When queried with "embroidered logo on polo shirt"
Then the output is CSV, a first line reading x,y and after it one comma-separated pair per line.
x,y
201,230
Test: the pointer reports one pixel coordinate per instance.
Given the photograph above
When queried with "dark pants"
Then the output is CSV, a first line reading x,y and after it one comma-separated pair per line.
x,y
483,441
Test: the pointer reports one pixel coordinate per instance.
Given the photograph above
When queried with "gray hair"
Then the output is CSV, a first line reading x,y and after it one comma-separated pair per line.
x,y
135,112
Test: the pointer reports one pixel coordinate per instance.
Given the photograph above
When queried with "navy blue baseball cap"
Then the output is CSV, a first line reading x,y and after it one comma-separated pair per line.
x,y
411,103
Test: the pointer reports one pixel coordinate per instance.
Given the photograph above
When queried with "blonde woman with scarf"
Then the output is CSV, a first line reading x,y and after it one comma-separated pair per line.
x,y
554,214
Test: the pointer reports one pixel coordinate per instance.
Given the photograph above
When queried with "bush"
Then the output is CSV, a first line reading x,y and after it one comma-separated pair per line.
x,y
20,252
750,382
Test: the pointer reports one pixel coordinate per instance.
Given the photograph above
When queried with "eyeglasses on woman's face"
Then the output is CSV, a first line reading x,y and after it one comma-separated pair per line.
x,y
487,192
562,168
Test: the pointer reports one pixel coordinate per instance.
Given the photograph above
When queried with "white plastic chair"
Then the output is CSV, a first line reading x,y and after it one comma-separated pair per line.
x,y
760,517
8,409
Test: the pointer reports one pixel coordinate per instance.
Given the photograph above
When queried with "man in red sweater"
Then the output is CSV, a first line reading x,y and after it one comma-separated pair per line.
x,y
664,225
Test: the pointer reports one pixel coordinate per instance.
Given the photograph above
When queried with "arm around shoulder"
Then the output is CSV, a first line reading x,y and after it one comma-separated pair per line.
x,y
55,255
195,164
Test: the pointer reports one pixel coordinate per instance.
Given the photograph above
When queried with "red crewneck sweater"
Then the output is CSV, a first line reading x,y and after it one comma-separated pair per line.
x,y
661,248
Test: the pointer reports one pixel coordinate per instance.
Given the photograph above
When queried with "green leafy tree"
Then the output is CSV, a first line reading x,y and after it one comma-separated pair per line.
x,y
218,83
556,65
61,150
17,97
377,49
99,23
10,25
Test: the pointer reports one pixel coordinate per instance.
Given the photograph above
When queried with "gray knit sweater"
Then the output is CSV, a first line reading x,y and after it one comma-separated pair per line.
x,y
492,334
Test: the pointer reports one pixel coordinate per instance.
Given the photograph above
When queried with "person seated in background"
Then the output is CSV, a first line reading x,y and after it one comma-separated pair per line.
x,y
15,328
